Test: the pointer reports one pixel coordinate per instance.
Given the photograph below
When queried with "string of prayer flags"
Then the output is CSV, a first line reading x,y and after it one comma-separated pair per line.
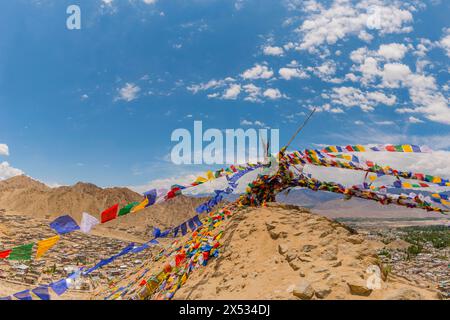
x,y
64,224
110,213
42,292
22,252
45,245
88,222
127,209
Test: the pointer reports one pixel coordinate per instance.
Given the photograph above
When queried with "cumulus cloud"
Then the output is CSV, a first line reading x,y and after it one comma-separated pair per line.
x,y
257,72
393,51
129,92
272,94
412,119
232,92
290,73
354,97
273,51
328,25
6,171
377,71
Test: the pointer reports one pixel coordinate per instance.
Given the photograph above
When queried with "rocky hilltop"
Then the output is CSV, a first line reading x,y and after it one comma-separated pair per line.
x,y
286,252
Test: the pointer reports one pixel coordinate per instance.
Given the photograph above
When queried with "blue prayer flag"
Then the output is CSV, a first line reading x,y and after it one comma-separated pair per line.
x,y
64,224
23,295
42,292
183,228
59,287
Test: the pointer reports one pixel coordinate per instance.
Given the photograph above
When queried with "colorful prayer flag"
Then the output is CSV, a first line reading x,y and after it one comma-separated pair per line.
x,y
42,292
22,252
127,209
109,214
88,222
64,224
45,245
23,295
5,254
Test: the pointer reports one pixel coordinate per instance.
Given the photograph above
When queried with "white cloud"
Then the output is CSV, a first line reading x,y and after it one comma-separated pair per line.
x,y
6,171
445,42
272,94
257,72
354,97
385,123
423,91
343,18
273,51
129,92
412,119
289,73
4,149
393,51
252,123
253,92
327,108
149,1
211,84
232,92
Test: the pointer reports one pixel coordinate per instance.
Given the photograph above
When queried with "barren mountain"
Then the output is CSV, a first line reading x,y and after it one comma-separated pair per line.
x,y
23,195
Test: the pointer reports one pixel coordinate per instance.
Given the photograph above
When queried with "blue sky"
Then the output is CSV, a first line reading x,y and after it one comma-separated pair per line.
x,y
99,104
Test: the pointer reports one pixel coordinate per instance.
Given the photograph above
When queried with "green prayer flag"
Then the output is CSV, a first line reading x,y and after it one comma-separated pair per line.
x,y
127,209
21,252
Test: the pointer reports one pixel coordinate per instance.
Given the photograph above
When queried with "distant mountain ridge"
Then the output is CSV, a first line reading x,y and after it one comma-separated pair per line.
x,y
23,195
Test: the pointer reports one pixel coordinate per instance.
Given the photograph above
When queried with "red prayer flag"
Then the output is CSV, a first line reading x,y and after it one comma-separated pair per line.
x,y
5,254
349,148
390,148
143,283
110,213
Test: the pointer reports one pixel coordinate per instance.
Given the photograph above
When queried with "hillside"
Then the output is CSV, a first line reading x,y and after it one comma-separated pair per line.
x,y
283,252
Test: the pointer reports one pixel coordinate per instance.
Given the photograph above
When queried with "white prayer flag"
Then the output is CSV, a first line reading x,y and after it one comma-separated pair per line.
x,y
88,222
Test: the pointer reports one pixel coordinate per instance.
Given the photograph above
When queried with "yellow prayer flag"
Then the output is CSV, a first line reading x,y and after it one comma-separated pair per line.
x,y
45,245
361,148
210,175
407,148
140,206
373,178
407,185
201,180
437,180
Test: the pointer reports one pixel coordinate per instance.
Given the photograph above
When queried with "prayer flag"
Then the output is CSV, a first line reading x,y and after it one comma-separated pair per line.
x,y
140,206
59,287
23,295
191,225
183,228
5,254
22,252
151,196
42,292
110,213
45,245
127,209
197,221
64,224
88,222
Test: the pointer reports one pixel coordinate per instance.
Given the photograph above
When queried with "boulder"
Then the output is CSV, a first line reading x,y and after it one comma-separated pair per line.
x,y
358,287
322,290
303,290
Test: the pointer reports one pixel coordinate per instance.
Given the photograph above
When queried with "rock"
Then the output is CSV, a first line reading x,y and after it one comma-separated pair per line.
x,y
308,248
304,258
322,290
303,290
274,235
291,256
358,287
404,294
329,254
282,248
295,264
337,264
320,270
355,239
301,274
270,226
